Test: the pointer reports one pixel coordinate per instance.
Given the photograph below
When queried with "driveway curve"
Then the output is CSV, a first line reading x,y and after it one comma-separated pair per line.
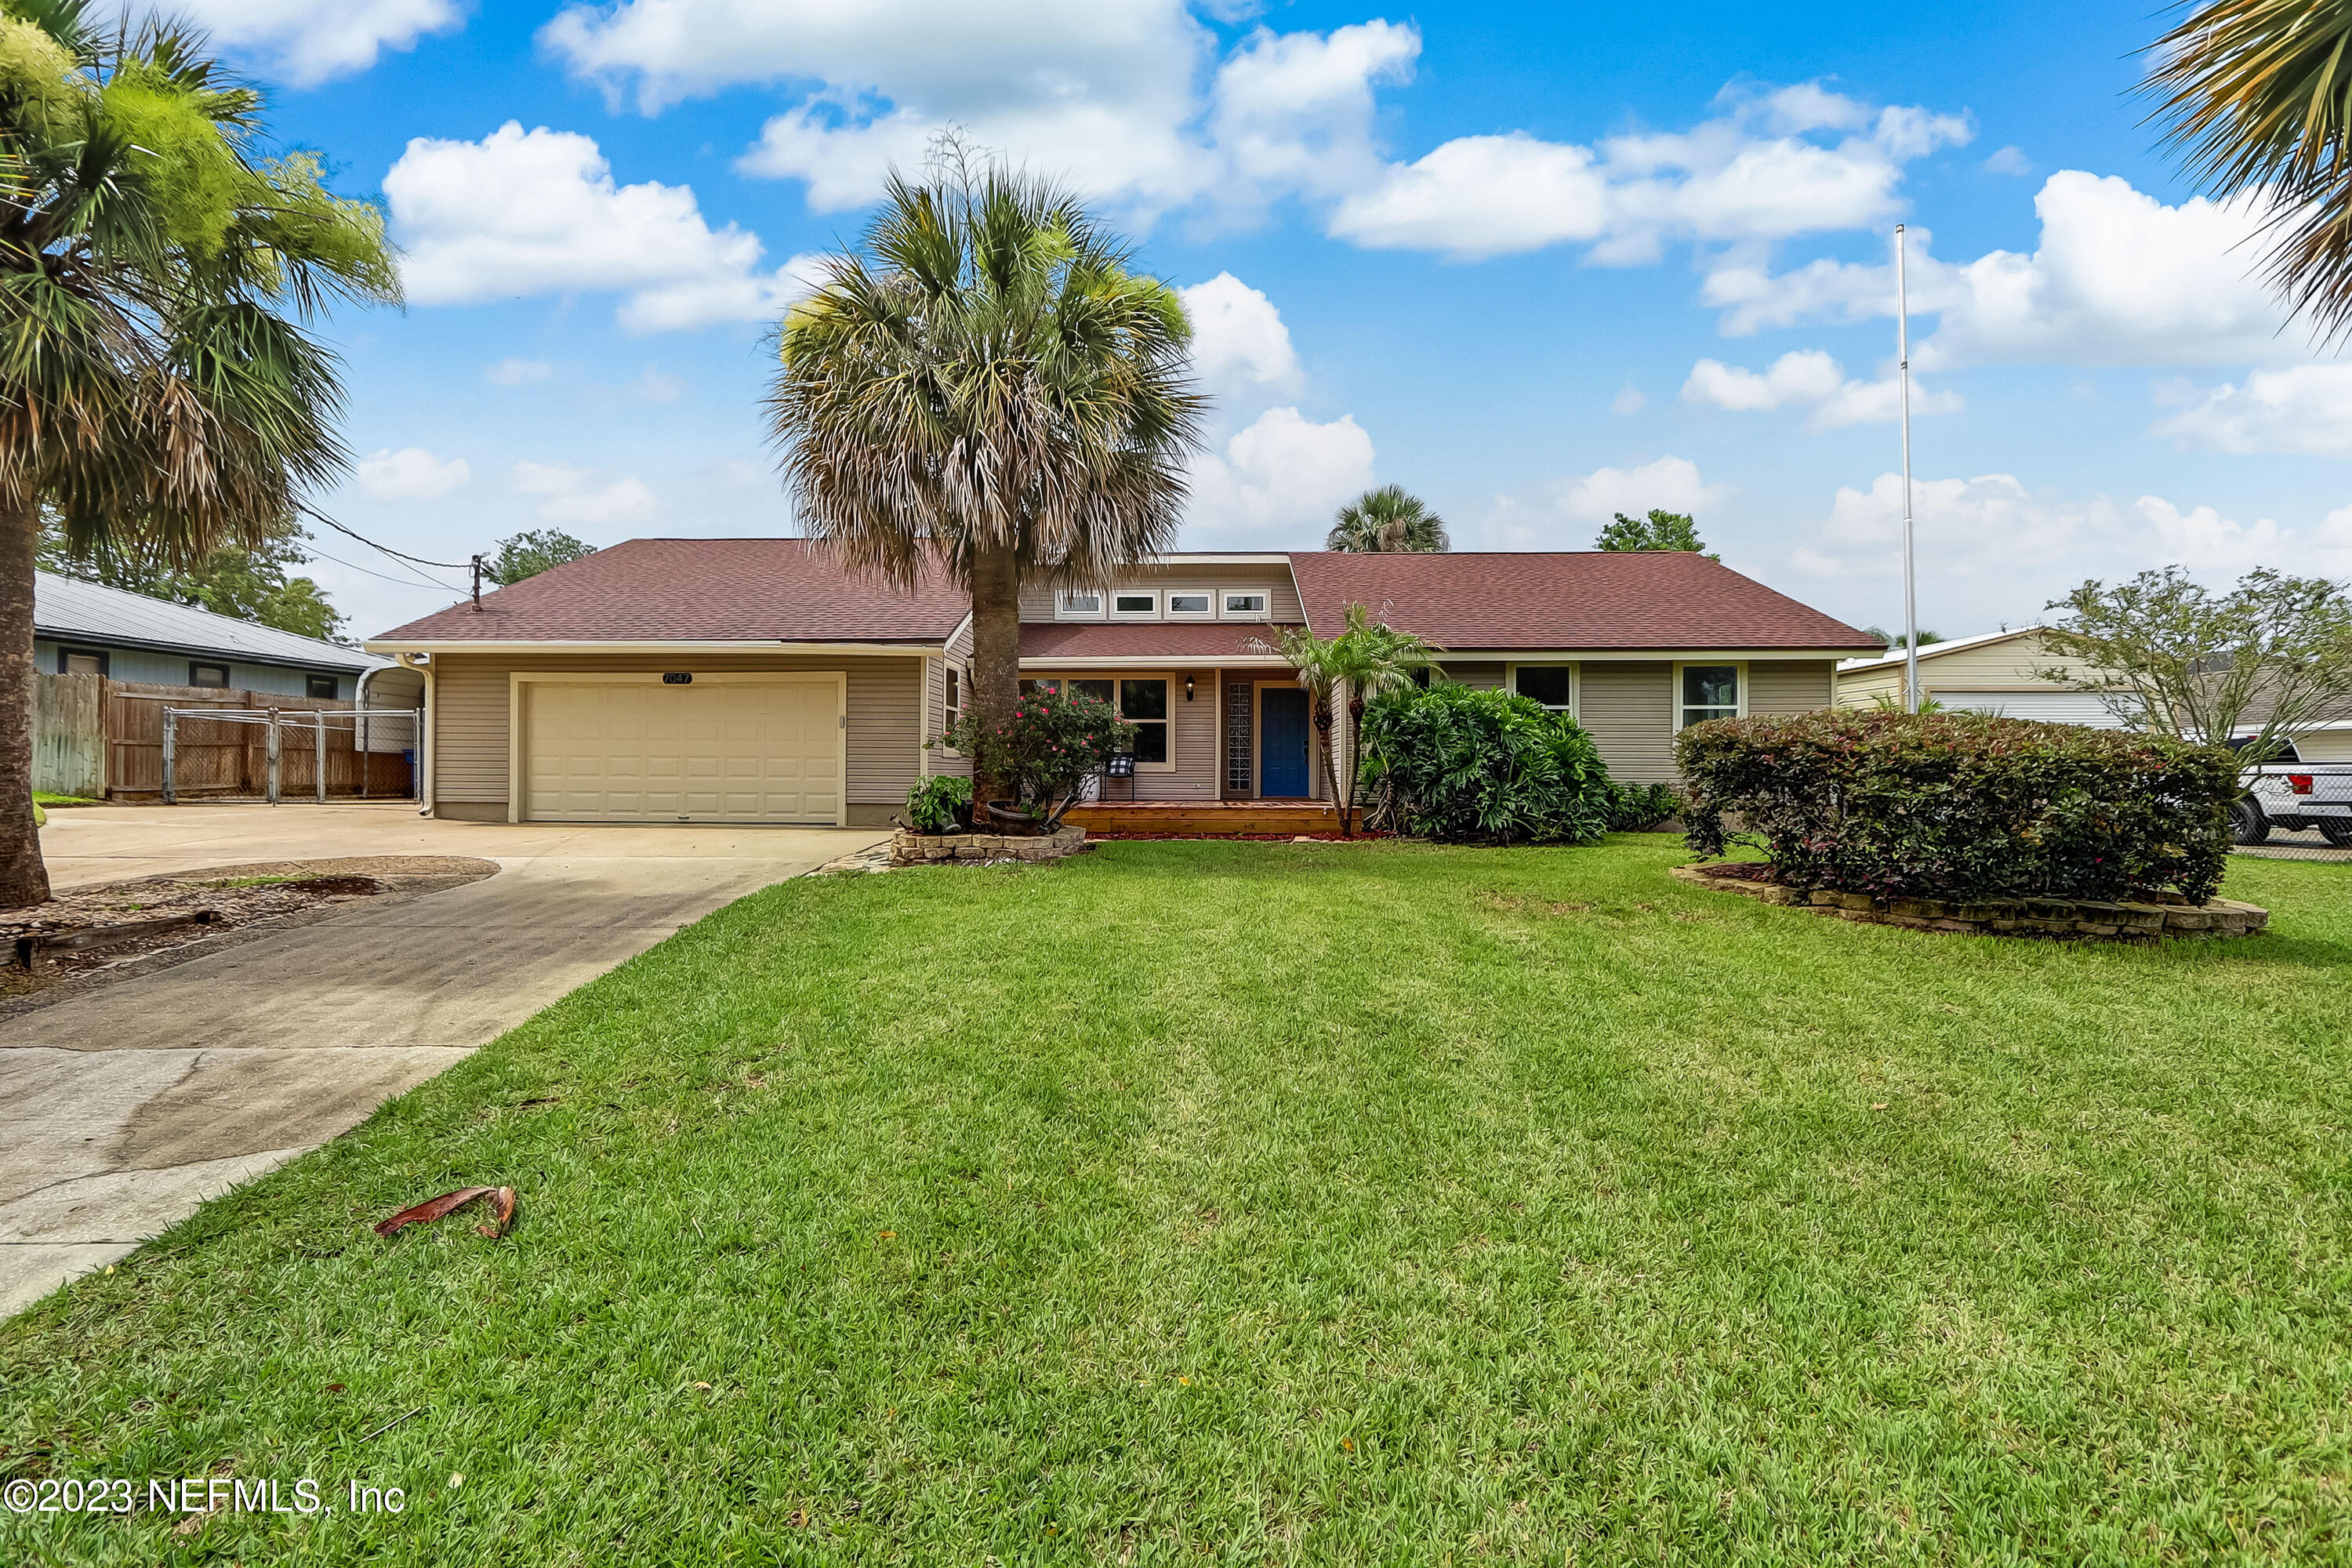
x,y
122,1109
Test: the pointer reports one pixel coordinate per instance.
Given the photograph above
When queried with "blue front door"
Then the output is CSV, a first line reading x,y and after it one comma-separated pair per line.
x,y
1282,741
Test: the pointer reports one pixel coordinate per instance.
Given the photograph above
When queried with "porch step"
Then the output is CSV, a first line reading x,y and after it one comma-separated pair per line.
x,y
1206,819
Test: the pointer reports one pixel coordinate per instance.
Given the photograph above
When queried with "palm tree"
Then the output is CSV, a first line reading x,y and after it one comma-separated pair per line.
x,y
989,386
2258,95
1367,659
1390,521
157,388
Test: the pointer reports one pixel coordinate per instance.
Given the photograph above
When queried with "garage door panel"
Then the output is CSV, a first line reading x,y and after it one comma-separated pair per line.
x,y
723,751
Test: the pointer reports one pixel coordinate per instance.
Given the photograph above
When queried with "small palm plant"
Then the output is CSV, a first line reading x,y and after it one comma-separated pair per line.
x,y
1390,521
157,389
1367,659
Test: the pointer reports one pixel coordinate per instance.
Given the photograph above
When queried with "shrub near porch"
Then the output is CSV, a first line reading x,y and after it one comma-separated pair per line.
x,y
1313,1203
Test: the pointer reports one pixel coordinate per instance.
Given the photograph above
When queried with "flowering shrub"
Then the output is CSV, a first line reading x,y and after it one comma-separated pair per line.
x,y
1048,745
1961,805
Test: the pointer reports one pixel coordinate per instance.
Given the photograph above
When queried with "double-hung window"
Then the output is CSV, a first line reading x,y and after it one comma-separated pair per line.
x,y
1708,691
954,704
1553,684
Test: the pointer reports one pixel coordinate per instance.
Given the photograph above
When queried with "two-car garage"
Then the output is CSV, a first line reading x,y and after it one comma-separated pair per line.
x,y
682,746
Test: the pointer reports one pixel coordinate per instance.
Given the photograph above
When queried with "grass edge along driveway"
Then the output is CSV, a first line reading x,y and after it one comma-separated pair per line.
x,y
1295,1203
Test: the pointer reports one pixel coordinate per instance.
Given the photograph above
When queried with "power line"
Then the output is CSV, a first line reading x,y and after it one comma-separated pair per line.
x,y
322,516
414,579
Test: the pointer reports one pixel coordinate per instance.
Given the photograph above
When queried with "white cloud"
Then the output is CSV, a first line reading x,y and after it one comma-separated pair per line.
x,y
2118,278
1811,379
1284,474
538,212
575,496
1750,173
1629,400
513,372
1239,343
1671,483
308,42
2008,160
2304,408
410,473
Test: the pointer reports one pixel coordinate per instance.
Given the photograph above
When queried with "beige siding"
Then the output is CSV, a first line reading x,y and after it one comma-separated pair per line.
x,y
2325,746
2008,664
1785,685
1282,593
1628,709
1483,677
471,715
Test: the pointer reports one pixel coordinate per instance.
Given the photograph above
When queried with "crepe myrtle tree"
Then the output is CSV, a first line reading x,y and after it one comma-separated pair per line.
x,y
987,386
157,262
2266,660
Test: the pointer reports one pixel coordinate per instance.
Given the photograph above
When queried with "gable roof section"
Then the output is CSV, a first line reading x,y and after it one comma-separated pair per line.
x,y
1929,651
66,609
1665,600
698,590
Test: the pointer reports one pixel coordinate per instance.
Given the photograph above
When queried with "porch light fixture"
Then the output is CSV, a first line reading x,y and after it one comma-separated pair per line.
x,y
1188,688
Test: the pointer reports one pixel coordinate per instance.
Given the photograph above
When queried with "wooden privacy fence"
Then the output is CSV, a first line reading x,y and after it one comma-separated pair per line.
x,y
121,723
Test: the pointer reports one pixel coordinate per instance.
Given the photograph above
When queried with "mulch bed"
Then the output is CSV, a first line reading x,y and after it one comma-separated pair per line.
x,y
256,895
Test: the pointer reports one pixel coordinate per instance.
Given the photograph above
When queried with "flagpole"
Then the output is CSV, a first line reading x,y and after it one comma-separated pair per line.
x,y
1910,576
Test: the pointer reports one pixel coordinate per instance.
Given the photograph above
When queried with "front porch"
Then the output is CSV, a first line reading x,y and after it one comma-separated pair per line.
x,y
1206,818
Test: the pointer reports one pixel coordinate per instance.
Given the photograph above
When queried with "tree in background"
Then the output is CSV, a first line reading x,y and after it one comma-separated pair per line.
x,y
156,385
1390,521
1894,642
2259,98
528,553
1661,530
245,582
988,387
2167,655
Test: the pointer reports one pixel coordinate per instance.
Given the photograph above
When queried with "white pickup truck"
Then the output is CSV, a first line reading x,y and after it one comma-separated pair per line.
x,y
2287,791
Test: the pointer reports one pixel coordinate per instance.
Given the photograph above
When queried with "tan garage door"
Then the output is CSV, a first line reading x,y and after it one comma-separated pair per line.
x,y
751,751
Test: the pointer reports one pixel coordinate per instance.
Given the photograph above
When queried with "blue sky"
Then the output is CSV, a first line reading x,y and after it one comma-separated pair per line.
x,y
1537,263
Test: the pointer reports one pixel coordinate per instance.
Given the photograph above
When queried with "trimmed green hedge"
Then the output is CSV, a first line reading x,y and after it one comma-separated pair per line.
x,y
1961,805
1482,767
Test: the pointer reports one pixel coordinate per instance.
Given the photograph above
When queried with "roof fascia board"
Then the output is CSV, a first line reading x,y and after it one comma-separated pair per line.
x,y
1154,661
1621,654
1938,649
201,650
713,645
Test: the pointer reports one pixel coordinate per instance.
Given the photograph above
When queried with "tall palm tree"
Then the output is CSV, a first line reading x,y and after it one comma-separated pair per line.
x,y
1391,521
156,266
2259,98
990,386
1365,661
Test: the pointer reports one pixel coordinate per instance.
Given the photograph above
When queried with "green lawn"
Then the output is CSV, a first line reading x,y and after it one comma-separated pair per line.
x,y
1266,1204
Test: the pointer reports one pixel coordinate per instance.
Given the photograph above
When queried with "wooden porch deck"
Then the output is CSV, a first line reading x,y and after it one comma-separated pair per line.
x,y
1206,818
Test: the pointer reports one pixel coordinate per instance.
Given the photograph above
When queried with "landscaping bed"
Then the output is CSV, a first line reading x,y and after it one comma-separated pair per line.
x,y
910,848
2149,917
1242,1203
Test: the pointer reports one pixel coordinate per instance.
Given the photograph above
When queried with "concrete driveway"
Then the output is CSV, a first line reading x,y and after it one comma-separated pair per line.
x,y
123,1108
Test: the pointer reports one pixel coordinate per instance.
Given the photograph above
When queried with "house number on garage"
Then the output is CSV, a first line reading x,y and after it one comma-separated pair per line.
x,y
677,677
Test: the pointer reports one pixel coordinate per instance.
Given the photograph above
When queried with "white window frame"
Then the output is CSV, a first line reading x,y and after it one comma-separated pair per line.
x,y
1225,611
952,697
1575,682
1206,613
1111,599
1063,612
1062,679
1674,713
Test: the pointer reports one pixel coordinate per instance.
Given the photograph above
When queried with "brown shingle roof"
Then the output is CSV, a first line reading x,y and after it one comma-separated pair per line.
x,y
1591,599
1150,639
718,590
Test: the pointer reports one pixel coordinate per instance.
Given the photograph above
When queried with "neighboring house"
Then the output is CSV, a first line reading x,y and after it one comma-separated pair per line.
x,y
754,680
1990,673
86,629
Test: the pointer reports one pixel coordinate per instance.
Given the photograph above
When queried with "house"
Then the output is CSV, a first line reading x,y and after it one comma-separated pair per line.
x,y
1991,673
755,680
87,628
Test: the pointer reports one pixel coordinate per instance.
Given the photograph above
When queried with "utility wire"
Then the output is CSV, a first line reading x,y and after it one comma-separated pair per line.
x,y
315,513
414,579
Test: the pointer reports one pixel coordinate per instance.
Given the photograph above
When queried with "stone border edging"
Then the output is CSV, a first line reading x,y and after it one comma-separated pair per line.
x,y
982,848
2085,918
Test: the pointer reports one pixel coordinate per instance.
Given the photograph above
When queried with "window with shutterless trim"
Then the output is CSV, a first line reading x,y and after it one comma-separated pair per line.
x,y
81,661
207,675
323,686
1245,607
1704,691
1191,603
1078,604
1135,603
1553,684
1141,700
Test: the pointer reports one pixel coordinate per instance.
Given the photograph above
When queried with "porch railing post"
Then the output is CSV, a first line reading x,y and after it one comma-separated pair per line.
x,y
273,748
170,734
